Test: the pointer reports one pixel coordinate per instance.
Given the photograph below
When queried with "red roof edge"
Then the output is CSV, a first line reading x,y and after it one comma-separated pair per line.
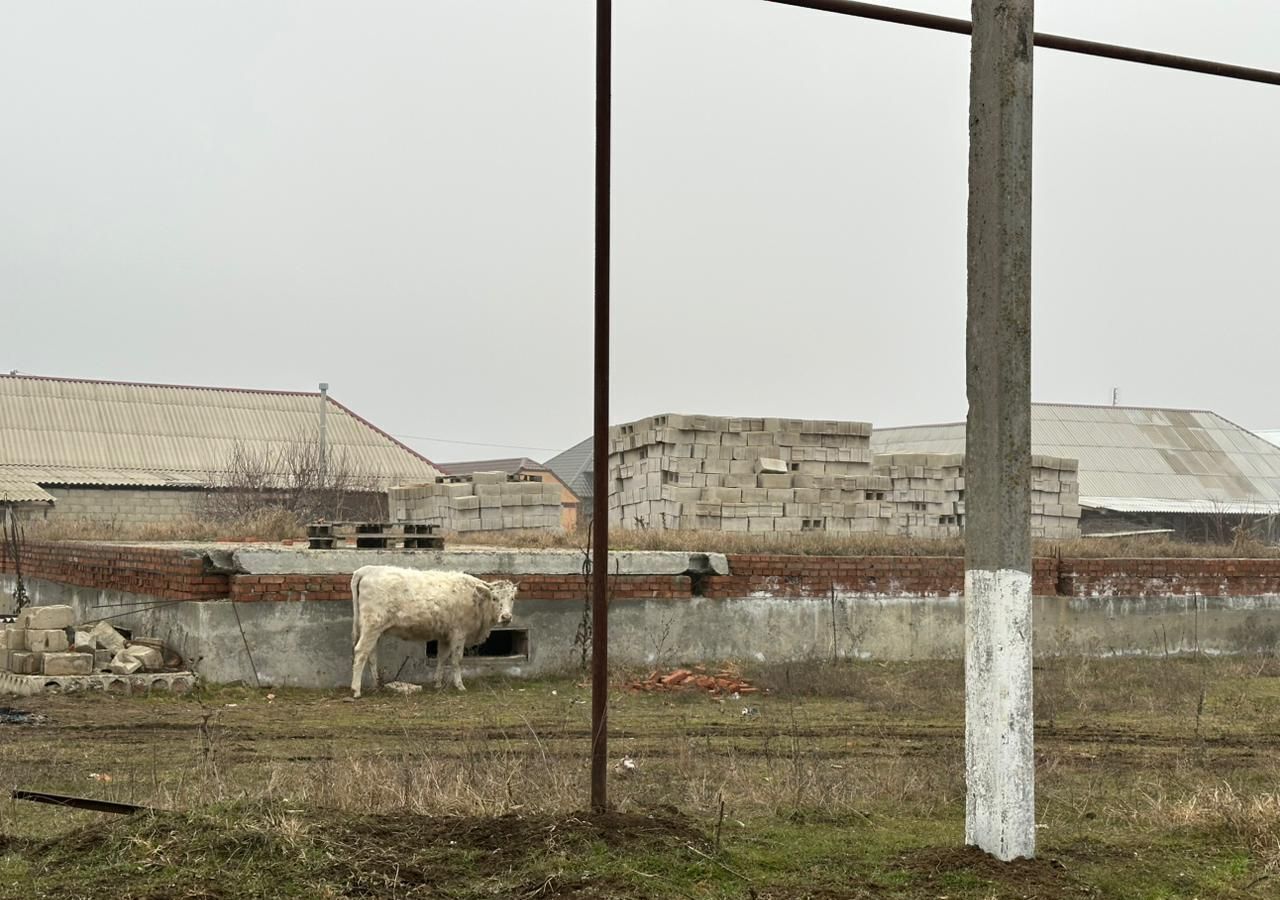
x,y
362,420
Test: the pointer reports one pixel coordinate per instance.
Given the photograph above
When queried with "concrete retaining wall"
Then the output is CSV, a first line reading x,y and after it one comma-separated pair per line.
x,y
308,644
293,606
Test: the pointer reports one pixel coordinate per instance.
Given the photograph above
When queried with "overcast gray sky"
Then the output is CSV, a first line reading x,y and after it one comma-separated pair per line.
x,y
396,197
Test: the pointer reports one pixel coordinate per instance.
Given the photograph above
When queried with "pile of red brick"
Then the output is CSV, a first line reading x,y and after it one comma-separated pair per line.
x,y
726,681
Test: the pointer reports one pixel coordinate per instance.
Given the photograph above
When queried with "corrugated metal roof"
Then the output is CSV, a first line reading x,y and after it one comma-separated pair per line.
x,y
1135,459
14,489
69,431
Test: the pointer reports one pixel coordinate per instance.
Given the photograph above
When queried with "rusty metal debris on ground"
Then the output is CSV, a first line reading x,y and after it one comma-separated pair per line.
x,y
725,681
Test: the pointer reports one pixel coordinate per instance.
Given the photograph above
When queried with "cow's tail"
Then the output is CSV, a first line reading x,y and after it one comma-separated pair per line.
x,y
355,607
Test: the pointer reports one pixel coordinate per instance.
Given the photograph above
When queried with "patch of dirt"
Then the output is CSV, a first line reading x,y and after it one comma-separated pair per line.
x,y
1043,878
512,836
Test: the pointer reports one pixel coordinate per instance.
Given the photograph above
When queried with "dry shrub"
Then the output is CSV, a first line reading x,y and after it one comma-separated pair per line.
x,y
1252,819
828,544
266,524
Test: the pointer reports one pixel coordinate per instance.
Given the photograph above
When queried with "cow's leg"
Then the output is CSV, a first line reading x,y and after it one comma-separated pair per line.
x,y
457,644
442,654
366,645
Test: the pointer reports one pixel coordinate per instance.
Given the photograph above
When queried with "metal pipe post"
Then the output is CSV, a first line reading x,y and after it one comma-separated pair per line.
x,y
324,450
600,451
999,763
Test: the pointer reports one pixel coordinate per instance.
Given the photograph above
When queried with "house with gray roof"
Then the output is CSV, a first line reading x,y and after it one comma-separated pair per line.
x,y
139,453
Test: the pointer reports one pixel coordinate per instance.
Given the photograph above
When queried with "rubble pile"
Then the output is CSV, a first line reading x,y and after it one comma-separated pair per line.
x,y
726,681
43,640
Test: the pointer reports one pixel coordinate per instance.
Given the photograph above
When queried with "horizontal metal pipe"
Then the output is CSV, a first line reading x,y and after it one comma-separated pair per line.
x,y
106,806
1048,41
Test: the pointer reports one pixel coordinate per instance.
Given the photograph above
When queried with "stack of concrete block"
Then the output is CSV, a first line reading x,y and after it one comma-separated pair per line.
x,y
1055,497
738,474
483,501
43,641
927,495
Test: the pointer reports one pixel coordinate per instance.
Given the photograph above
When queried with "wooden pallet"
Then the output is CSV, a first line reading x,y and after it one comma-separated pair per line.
x,y
374,536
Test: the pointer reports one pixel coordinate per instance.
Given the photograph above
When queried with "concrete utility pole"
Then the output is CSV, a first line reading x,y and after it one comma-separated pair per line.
x,y
999,760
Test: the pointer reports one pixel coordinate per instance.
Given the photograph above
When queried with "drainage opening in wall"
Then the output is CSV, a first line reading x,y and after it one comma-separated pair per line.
x,y
502,643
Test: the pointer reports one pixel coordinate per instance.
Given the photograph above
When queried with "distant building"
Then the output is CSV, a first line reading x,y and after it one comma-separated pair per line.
x,y
1191,471
132,453
574,469
522,465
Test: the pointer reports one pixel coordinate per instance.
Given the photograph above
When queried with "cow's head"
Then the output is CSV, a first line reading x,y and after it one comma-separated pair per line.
x,y
504,595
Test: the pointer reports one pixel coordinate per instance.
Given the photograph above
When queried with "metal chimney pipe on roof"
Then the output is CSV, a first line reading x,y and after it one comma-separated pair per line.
x,y
324,456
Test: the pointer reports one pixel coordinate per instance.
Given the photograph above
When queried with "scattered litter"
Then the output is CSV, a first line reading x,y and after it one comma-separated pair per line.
x,y
725,681
270,697
554,694
100,776
750,711
231,705
11,716
403,687
626,766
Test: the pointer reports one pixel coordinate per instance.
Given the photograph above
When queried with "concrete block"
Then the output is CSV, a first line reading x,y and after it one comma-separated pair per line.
x,y
15,638
770,464
22,662
67,663
125,665
771,480
150,657
102,659
107,637
755,495
47,640
46,617
488,479
4,660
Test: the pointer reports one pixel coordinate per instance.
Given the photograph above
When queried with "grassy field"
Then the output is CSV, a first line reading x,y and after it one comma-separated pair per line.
x,y
1157,778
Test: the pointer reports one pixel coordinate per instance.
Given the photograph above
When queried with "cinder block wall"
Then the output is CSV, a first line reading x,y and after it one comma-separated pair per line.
x,y
126,506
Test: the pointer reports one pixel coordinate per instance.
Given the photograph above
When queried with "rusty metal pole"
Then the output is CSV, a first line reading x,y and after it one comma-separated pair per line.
x,y
600,451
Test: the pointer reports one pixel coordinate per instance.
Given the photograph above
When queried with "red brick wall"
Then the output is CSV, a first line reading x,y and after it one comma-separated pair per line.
x,y
532,587
183,574
802,576
1168,577
168,572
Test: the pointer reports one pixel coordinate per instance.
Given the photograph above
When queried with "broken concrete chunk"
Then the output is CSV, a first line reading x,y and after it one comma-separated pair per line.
x,y
124,664
46,640
150,657
67,663
102,659
83,642
46,617
107,637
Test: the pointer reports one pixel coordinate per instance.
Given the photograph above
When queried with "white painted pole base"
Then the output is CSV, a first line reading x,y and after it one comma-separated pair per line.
x,y
1000,815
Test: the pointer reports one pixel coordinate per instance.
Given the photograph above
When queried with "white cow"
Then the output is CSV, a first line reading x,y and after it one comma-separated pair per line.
x,y
452,608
